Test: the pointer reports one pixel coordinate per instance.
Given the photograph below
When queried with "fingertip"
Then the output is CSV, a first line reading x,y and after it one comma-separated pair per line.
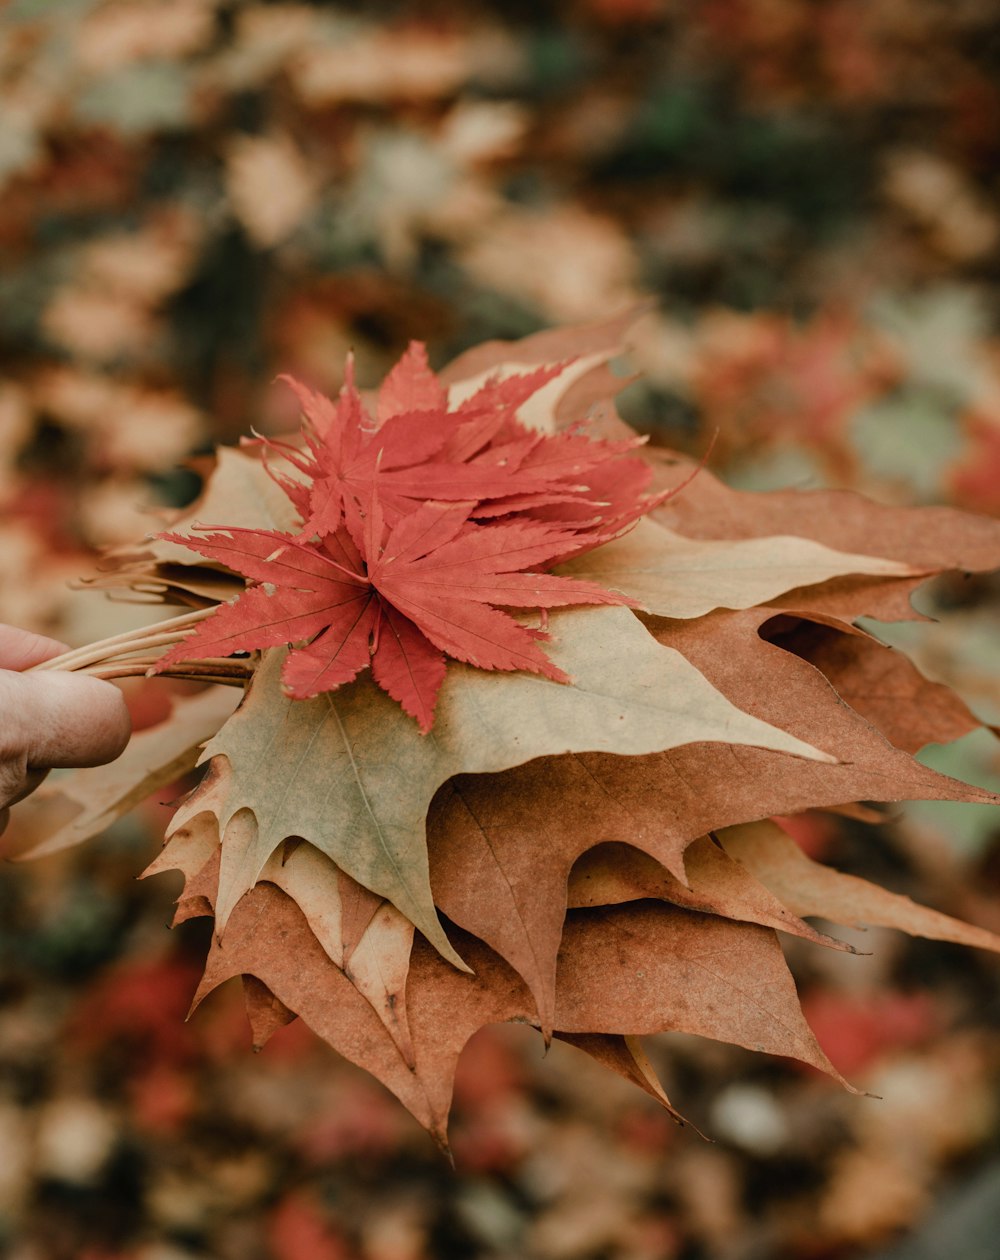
x,y
78,720
20,649
104,713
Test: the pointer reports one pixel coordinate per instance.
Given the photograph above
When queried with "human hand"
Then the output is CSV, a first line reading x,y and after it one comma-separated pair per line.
x,y
50,719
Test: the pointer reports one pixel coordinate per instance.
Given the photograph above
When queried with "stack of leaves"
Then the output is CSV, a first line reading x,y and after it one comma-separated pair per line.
x,y
429,814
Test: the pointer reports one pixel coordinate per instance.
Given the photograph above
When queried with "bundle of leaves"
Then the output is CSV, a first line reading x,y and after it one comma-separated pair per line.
x,y
428,814
414,529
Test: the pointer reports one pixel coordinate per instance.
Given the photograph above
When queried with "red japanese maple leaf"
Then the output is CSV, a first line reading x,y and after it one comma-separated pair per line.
x,y
397,598
424,452
478,452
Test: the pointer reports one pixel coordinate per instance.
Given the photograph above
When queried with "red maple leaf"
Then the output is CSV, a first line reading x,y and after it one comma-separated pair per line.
x,y
394,597
425,452
478,453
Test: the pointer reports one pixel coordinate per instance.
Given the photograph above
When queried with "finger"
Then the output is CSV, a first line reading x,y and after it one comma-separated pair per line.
x,y
17,781
20,649
30,780
13,778
61,719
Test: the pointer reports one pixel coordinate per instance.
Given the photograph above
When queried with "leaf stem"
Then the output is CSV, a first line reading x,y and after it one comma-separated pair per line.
x,y
127,644
230,673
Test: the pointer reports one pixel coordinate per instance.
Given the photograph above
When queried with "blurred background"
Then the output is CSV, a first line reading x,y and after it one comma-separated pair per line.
x,y
197,195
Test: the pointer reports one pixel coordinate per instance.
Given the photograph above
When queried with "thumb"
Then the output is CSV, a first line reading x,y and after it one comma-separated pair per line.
x,y
20,649
61,719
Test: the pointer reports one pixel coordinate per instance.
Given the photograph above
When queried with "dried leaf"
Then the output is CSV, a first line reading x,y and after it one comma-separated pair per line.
x,y
237,491
654,967
681,577
625,1056
883,686
270,940
378,967
377,958
313,882
809,888
394,600
566,260
264,1011
377,961
501,848
271,186
615,873
928,539
349,773
380,63
568,396
647,969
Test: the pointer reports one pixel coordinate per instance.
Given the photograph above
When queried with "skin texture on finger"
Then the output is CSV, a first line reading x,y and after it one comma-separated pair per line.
x,y
20,649
32,779
55,719
16,781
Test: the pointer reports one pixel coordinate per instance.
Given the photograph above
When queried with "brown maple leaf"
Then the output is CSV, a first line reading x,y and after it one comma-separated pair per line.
x,y
881,684
671,969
